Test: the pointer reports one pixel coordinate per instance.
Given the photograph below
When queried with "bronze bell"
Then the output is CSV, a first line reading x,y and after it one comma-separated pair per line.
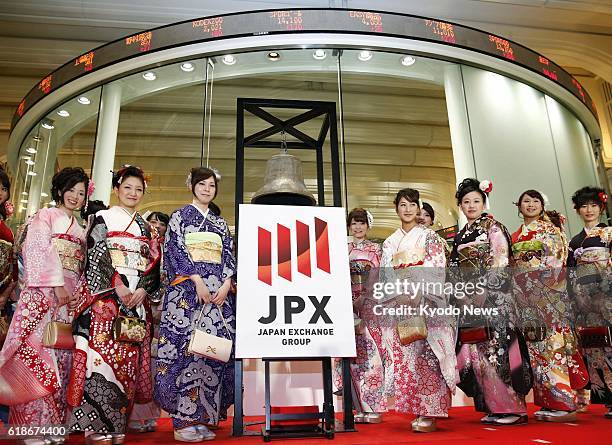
x,y
284,183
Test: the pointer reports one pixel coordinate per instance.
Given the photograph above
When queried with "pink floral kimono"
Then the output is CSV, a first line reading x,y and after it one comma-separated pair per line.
x,y
33,378
424,372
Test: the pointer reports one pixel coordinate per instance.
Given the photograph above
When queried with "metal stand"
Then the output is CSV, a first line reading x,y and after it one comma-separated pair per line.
x,y
312,110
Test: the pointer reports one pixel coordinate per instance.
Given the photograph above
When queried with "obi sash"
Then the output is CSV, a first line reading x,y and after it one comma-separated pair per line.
x,y
204,247
70,250
129,251
408,258
528,253
6,255
592,262
360,270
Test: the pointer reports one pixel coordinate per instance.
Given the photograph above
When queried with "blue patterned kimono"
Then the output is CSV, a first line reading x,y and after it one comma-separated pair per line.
x,y
194,389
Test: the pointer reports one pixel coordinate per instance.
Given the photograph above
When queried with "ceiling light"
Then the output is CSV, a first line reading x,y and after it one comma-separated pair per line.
x,y
24,193
408,60
30,162
149,75
25,201
274,56
228,59
48,124
319,54
32,173
31,150
83,100
63,113
187,67
364,56
44,195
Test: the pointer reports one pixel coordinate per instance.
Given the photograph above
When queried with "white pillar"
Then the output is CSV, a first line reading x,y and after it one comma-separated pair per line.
x,y
459,124
106,141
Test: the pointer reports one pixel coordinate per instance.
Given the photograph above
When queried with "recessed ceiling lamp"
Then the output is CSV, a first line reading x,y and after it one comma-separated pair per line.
x,y
83,100
24,193
44,195
187,67
228,59
48,124
407,60
319,54
31,150
364,56
63,113
274,56
30,162
32,173
149,75
25,201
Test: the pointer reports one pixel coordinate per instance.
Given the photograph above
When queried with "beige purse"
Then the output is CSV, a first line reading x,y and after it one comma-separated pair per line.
x,y
210,346
58,335
411,330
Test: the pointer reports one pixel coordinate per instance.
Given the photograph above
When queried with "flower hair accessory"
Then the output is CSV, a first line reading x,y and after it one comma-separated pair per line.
x,y
486,186
217,174
91,188
603,197
9,208
188,181
546,200
370,218
420,203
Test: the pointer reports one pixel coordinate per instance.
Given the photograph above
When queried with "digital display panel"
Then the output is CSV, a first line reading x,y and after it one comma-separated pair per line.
x,y
303,21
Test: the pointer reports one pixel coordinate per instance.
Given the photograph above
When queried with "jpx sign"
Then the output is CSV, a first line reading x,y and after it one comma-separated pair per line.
x,y
294,295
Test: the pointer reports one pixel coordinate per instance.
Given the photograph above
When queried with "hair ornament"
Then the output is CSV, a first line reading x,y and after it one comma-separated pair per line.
x,y
217,174
9,208
546,200
602,197
188,181
370,218
486,186
91,188
420,203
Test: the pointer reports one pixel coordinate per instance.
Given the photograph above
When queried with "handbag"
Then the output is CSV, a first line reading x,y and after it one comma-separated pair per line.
x,y
210,346
129,329
58,335
595,337
411,330
475,335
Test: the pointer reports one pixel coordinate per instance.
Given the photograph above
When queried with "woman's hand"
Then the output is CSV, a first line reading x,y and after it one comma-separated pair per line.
x,y
124,293
202,292
138,297
62,295
219,297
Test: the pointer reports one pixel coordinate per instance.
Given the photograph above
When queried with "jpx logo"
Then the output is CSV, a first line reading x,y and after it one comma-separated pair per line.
x,y
284,249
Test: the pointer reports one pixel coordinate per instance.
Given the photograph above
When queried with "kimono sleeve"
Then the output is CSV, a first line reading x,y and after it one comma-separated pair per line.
x,y
176,258
434,268
229,261
99,270
42,264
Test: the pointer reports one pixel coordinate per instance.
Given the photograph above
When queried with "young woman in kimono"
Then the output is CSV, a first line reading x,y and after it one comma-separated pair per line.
x,y
200,264
111,367
144,416
590,264
33,378
424,369
539,254
493,366
367,373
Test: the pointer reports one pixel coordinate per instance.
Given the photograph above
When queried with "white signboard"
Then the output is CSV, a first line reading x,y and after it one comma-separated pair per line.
x,y
294,289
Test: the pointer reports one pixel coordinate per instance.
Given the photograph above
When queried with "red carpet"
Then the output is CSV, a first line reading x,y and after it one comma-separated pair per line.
x,y
463,427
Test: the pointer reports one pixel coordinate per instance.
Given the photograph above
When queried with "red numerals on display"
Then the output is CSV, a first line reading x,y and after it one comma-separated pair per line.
x,y
212,26
86,60
372,20
45,84
289,20
503,46
442,30
579,88
144,39
546,69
